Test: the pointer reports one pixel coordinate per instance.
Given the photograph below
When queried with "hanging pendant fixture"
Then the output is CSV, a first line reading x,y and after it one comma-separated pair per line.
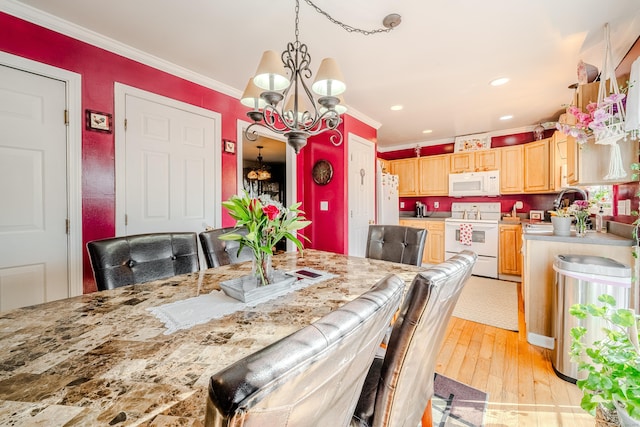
x,y
261,173
282,100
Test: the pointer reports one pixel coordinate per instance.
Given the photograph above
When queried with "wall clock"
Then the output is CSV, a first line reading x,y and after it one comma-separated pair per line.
x,y
322,172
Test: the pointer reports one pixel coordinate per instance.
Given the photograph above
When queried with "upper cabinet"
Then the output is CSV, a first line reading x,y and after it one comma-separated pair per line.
x,y
589,164
434,175
474,161
462,162
536,166
407,171
511,171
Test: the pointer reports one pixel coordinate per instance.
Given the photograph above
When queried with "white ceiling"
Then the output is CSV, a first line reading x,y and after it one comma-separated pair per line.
x,y
437,63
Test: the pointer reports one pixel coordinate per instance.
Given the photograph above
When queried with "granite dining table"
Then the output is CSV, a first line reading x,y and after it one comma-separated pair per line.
x,y
105,359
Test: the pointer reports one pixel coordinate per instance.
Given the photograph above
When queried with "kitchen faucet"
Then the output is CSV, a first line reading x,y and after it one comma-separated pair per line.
x,y
558,201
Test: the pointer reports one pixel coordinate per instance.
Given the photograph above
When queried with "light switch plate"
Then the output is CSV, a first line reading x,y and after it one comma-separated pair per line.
x,y
324,205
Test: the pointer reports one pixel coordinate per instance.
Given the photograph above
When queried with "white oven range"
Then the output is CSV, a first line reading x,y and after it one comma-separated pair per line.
x,y
483,219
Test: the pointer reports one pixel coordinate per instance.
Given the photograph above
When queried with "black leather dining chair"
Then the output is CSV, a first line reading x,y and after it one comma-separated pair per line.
x,y
126,260
312,377
399,387
223,252
396,243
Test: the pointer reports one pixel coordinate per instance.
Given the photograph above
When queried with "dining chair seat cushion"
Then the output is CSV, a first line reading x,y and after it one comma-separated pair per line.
x,y
399,384
311,377
223,252
141,258
396,243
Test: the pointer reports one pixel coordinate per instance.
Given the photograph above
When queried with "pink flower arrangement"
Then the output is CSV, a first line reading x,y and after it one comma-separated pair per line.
x,y
595,120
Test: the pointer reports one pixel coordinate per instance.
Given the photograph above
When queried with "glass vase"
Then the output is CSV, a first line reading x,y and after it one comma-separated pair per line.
x,y
262,269
581,226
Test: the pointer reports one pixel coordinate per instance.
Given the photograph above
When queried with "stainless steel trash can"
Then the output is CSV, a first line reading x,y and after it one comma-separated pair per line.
x,y
582,279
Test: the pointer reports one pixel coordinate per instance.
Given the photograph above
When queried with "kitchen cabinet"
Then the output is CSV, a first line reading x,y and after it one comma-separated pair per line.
x,y
509,250
434,175
558,161
511,170
536,166
407,171
384,165
589,164
462,162
487,160
538,282
474,161
434,246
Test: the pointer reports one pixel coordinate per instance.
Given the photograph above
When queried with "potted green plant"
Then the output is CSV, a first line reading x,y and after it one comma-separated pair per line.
x,y
612,363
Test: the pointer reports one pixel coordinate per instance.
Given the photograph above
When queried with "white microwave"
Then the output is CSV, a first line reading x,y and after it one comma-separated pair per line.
x,y
485,183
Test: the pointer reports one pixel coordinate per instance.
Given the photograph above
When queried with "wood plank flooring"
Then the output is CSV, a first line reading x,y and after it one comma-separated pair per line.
x,y
522,387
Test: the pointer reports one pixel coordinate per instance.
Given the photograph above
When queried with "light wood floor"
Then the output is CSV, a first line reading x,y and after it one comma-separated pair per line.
x,y
522,387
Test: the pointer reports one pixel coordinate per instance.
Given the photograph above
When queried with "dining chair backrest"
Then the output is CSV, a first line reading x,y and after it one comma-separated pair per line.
x,y
399,387
396,243
223,252
140,258
311,377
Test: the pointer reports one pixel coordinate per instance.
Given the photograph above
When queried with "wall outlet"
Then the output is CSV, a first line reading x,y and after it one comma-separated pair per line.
x,y
324,205
436,205
401,205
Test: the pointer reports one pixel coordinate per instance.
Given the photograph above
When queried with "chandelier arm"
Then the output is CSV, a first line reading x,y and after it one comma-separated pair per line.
x,y
346,27
250,133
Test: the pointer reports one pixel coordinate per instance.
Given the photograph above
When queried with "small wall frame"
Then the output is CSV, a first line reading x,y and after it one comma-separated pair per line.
x,y
99,122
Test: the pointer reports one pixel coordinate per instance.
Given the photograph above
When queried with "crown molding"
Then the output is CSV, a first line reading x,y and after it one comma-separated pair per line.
x,y
59,25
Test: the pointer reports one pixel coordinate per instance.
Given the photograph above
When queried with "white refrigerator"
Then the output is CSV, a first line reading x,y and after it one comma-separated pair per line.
x,y
388,209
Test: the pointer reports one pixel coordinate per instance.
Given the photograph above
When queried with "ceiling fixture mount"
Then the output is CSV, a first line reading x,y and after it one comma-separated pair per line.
x,y
280,96
260,174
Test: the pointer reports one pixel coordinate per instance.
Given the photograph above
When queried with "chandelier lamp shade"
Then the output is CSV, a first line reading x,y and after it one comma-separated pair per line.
x,y
283,100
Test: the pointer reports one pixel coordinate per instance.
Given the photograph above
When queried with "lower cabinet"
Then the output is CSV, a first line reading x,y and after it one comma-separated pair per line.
x,y
509,249
434,246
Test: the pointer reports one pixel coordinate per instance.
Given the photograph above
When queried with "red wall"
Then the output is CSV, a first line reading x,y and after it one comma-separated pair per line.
x,y
100,69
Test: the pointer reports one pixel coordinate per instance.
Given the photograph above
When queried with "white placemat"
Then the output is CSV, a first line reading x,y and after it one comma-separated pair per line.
x,y
197,310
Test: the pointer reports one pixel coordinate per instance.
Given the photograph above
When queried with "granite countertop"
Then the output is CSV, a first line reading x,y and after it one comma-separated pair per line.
x,y
103,358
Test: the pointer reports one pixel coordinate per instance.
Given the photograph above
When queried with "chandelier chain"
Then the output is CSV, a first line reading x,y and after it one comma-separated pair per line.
x,y
297,19
346,27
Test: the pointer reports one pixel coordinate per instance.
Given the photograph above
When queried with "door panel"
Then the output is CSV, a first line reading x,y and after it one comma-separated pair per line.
x,y
362,209
169,168
33,188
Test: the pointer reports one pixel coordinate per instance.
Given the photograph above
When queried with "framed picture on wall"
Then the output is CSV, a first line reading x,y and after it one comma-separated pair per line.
x,y
98,122
229,147
481,141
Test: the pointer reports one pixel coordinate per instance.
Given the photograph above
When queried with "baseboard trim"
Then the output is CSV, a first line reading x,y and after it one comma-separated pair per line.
x,y
541,340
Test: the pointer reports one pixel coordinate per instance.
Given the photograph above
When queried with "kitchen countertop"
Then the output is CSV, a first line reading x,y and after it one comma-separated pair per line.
x,y
103,358
590,238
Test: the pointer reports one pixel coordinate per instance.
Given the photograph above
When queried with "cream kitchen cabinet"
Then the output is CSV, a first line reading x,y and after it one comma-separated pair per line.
x,y
589,164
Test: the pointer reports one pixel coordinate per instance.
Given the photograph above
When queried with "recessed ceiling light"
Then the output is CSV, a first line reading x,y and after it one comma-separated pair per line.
x,y
507,117
499,82
427,131
396,108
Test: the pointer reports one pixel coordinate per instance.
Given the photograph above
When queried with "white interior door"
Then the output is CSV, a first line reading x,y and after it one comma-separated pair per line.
x,y
169,168
33,189
362,205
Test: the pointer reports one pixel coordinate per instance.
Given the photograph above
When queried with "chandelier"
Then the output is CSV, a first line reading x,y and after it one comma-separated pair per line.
x,y
281,99
260,174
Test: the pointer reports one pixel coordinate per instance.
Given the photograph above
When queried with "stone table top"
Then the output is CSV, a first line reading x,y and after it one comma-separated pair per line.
x,y
104,359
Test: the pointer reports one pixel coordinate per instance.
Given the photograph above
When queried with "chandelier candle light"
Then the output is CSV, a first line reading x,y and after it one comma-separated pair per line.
x,y
282,101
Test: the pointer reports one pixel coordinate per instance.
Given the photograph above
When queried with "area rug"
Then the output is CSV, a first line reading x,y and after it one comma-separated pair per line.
x,y
455,404
489,301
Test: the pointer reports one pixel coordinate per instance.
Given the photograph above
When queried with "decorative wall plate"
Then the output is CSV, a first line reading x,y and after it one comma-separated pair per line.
x,y
322,172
